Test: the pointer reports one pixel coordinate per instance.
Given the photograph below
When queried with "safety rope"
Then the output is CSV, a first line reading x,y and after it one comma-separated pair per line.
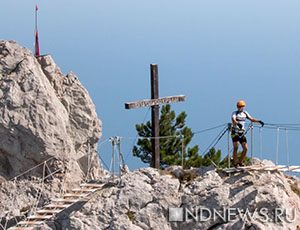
x,y
113,155
120,153
159,137
281,124
102,143
104,163
216,140
64,180
281,128
89,162
40,190
294,127
133,143
209,129
31,169
14,181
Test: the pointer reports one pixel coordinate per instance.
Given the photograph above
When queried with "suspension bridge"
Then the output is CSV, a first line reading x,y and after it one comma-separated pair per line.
x,y
39,214
226,129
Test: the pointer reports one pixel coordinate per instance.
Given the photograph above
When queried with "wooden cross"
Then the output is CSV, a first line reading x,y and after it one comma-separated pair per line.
x,y
154,102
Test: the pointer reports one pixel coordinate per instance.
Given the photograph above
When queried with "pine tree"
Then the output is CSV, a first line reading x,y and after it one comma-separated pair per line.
x,y
212,156
170,147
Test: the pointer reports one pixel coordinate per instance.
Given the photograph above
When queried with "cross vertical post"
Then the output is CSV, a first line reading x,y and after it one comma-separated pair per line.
x,y
155,117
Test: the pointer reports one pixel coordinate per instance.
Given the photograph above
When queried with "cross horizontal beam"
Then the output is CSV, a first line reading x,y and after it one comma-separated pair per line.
x,y
152,102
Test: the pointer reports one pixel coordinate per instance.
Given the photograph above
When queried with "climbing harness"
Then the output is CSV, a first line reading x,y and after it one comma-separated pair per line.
x,y
235,131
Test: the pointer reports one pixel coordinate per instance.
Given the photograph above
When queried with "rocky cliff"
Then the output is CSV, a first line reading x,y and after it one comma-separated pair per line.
x,y
48,124
43,114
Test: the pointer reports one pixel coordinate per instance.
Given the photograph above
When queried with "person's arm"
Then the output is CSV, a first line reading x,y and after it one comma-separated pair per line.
x,y
255,120
234,121
233,118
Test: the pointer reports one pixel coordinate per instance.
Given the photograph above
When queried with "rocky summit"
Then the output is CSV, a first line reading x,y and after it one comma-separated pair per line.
x,y
51,177
200,198
44,114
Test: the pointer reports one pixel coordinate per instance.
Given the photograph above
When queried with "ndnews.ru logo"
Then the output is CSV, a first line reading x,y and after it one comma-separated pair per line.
x,y
201,214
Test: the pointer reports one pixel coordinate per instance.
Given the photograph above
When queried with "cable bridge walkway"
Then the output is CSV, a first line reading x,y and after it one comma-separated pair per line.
x,y
57,206
278,127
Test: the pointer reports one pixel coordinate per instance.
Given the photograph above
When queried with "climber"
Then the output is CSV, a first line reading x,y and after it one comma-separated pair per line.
x,y
238,132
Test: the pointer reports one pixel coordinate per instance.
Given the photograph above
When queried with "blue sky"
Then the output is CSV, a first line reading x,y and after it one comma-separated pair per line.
x,y
215,52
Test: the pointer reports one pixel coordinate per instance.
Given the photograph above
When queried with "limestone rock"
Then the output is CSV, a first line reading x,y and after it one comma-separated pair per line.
x,y
142,200
44,114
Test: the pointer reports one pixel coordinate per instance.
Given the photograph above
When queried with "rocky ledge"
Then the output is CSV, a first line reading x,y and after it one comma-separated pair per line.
x,y
203,198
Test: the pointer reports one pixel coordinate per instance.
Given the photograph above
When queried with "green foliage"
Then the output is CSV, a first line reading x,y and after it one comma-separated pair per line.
x,y
212,156
171,148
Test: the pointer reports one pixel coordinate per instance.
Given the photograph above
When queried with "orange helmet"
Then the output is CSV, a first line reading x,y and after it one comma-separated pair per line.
x,y
241,104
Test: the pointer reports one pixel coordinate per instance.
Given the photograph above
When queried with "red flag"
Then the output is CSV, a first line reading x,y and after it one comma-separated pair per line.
x,y
37,46
36,8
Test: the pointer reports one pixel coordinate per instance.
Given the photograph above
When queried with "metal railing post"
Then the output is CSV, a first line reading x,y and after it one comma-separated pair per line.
x,y
182,136
119,145
251,142
229,129
112,139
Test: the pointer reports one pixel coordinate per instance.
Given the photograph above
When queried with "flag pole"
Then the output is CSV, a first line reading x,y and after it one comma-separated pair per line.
x,y
35,28
36,46
36,17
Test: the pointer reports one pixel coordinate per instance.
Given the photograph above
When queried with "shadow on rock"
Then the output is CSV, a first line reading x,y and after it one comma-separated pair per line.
x,y
245,202
235,178
236,190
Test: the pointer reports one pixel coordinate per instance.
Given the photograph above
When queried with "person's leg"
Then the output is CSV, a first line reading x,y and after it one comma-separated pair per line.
x,y
244,153
235,148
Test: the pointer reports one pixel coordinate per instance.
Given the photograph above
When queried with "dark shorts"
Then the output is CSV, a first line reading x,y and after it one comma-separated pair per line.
x,y
238,137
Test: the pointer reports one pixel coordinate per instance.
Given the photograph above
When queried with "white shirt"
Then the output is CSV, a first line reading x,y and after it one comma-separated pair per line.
x,y
241,117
